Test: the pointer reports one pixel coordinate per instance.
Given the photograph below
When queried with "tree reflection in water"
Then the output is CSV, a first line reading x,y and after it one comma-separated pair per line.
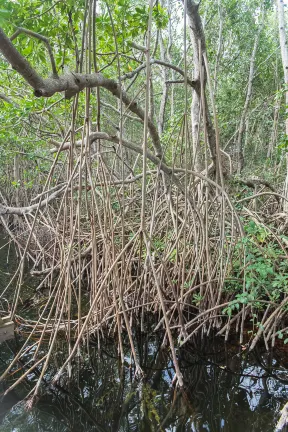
x,y
225,390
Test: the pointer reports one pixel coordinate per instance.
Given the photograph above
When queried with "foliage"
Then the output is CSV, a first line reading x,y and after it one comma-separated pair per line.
x,y
264,270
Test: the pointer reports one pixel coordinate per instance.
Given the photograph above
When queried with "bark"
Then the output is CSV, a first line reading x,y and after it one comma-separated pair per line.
x,y
195,120
283,421
198,40
283,44
170,60
43,39
254,182
196,26
196,34
18,62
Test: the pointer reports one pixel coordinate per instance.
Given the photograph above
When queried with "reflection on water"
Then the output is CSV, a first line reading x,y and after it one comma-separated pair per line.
x,y
225,388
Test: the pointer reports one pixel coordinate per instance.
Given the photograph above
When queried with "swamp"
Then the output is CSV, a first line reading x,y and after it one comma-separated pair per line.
x,y
143,215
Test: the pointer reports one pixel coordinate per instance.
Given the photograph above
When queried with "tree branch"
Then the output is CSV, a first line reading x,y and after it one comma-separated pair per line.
x,y
106,105
43,39
168,171
18,62
253,182
7,99
138,47
25,210
168,65
72,84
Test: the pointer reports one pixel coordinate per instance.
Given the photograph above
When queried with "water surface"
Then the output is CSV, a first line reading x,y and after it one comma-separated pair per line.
x,y
226,389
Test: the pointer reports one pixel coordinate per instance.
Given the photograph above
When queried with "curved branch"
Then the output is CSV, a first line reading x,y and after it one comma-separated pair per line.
x,y
20,211
261,194
138,47
253,182
18,62
41,38
167,170
192,83
72,84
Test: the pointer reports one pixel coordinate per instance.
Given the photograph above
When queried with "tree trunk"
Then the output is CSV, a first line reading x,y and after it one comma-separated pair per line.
x,y
197,164
242,126
169,57
220,46
163,103
273,137
16,179
198,40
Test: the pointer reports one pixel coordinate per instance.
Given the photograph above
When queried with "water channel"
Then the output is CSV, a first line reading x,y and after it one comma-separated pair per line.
x,y
226,389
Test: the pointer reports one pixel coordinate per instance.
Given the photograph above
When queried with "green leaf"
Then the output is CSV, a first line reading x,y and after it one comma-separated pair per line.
x,y
280,334
4,15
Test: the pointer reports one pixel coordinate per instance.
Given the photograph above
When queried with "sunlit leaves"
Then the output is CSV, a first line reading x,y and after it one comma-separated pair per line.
x,y
160,16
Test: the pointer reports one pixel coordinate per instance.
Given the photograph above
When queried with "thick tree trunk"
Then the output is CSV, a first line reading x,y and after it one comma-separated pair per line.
x,y
196,34
199,43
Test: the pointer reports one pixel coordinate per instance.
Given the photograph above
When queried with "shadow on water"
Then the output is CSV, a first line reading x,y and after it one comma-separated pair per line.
x,y
226,389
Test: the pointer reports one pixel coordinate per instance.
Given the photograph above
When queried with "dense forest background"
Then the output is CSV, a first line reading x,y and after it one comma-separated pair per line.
x,y
242,45
143,167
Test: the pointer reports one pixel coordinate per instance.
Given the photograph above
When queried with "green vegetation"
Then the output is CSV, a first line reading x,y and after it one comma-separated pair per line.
x,y
144,169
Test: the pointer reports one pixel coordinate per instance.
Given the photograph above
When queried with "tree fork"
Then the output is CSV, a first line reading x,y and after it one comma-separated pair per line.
x,y
71,84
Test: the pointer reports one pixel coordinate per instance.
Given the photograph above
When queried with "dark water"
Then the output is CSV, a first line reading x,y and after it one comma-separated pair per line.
x,y
225,388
